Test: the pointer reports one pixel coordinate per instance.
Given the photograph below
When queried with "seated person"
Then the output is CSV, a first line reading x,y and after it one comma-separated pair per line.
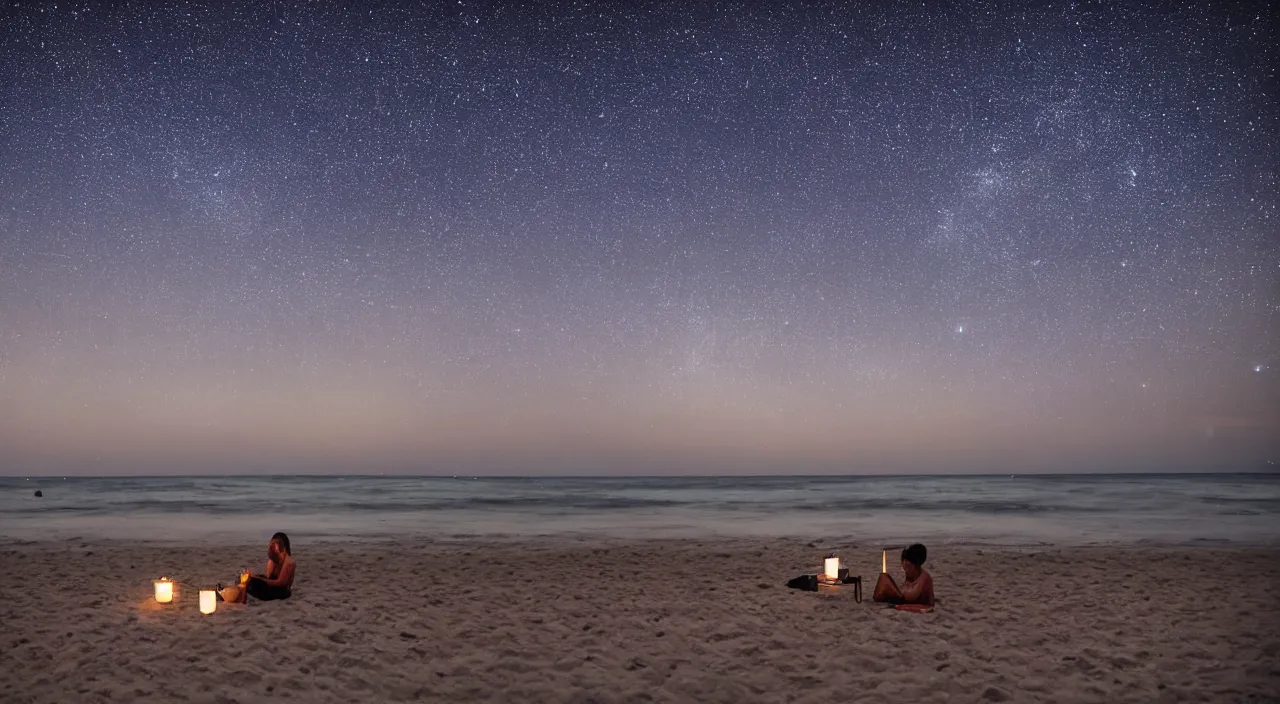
x,y
276,583
918,589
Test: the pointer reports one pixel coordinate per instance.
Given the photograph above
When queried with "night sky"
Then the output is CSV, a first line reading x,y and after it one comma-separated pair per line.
x,y
616,238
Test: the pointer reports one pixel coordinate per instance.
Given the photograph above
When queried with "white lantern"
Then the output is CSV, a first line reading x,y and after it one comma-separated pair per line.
x,y
208,601
164,590
831,567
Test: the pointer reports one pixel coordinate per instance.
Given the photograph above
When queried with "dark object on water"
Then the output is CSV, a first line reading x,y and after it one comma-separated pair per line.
x,y
39,493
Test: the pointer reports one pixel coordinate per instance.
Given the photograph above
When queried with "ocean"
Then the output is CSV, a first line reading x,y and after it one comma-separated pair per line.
x,y
1005,510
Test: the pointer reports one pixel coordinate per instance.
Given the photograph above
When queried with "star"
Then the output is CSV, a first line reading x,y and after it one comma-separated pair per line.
x,y
286,230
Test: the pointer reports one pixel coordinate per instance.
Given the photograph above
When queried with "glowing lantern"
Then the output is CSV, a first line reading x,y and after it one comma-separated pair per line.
x,y
831,567
884,566
208,601
164,590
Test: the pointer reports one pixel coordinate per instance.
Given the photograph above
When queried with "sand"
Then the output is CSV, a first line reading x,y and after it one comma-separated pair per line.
x,y
667,621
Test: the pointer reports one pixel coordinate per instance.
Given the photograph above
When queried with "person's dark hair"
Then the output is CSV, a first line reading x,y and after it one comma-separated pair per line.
x,y
284,542
915,554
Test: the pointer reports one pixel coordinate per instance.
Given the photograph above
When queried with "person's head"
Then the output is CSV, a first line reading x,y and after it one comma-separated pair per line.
x,y
913,559
279,545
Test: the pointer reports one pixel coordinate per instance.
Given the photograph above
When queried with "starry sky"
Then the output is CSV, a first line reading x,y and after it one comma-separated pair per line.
x,y
629,238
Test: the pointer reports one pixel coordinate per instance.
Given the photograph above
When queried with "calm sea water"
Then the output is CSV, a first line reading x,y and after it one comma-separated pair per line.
x,y
989,509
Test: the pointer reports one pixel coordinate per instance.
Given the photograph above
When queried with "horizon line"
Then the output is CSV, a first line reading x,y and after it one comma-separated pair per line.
x,y
976,475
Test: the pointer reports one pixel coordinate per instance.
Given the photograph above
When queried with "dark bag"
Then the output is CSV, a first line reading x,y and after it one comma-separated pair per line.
x,y
805,582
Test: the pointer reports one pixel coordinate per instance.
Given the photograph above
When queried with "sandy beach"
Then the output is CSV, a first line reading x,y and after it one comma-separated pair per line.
x,y
571,620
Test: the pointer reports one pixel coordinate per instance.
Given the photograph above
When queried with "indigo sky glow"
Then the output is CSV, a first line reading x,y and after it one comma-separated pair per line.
x,y
608,238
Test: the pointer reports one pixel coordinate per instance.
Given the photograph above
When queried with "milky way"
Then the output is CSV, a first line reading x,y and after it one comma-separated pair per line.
x,y
619,238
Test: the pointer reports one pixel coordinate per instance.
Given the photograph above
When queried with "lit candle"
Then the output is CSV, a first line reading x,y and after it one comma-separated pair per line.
x,y
208,601
831,567
164,590
884,566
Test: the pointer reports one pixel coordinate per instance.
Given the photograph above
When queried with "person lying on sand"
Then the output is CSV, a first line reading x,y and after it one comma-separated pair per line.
x,y
917,589
276,583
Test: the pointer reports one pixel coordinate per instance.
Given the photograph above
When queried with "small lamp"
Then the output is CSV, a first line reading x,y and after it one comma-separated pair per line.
x,y
885,588
831,567
164,590
208,601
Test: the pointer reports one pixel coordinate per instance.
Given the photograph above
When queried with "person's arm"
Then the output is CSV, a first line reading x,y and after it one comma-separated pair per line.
x,y
284,578
271,569
911,591
919,591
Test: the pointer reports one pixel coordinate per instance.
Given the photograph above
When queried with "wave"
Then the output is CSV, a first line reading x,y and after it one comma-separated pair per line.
x,y
773,496
953,506
1266,503
1060,508
556,504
